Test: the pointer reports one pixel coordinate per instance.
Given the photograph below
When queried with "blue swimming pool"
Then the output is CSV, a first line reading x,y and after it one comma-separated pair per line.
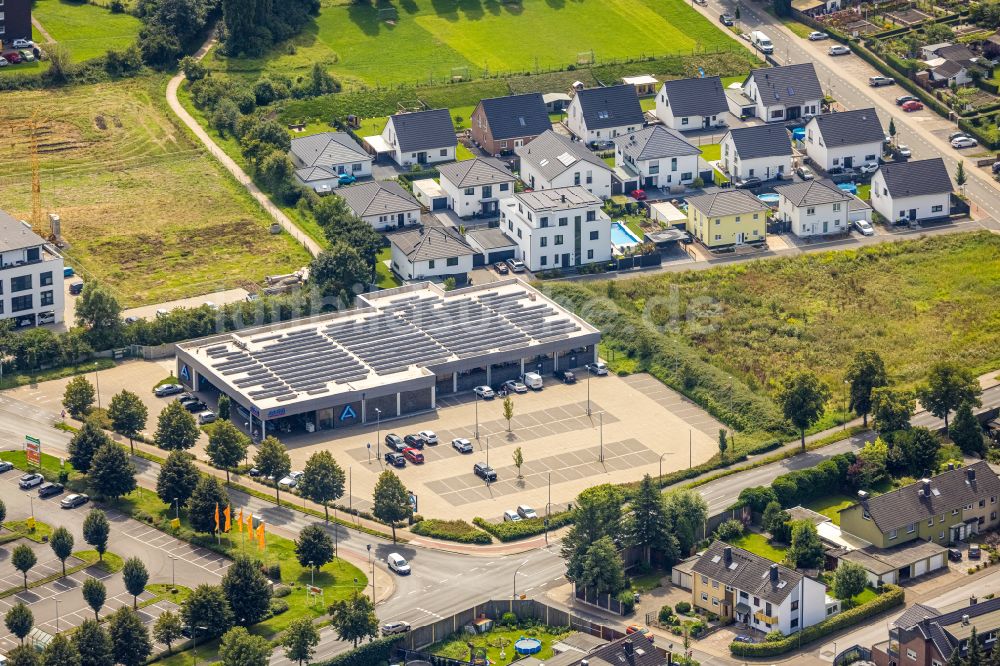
x,y
622,236
771,199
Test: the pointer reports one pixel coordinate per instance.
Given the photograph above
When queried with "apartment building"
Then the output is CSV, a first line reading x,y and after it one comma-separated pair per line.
x,y
31,276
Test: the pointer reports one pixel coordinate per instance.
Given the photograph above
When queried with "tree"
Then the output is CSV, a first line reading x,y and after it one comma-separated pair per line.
x,y
340,224
99,313
354,619
79,396
918,449
96,530
272,460
948,386
19,620
224,407
322,480
112,474
247,590
602,568
314,546
338,269
892,128
177,478
226,446
974,654
129,637
648,524
865,374
508,410
167,629
208,495
241,648
194,69
23,558
61,542
805,551
60,652
518,461
84,444
892,409
392,501
95,594
723,444
206,606
775,522
598,514
135,576
93,644
23,655
688,512
300,640
3,511
176,429
960,178
802,398
873,459
128,415
849,580
966,432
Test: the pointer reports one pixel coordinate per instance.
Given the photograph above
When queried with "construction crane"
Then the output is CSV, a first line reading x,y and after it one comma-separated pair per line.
x,y
36,175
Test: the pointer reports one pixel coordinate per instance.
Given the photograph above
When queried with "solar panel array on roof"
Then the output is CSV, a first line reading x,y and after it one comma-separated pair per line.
x,y
386,342
530,317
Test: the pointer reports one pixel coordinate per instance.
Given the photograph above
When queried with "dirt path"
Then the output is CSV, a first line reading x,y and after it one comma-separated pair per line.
x,y
42,31
244,179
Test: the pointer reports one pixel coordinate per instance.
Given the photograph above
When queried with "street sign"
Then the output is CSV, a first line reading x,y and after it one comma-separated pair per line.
x,y
33,450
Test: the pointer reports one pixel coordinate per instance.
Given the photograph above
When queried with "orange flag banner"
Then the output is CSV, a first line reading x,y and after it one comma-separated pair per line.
x,y
250,524
260,536
228,513
216,516
239,521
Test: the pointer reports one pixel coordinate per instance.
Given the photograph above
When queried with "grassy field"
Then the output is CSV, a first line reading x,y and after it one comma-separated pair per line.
x,y
831,505
757,543
436,39
143,208
86,30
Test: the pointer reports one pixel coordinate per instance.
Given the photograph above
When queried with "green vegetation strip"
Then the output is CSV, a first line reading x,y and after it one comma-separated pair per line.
x,y
88,560
451,530
39,533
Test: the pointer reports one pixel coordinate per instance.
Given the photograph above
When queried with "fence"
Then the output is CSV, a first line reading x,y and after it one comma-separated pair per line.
x,y
851,655
152,353
594,598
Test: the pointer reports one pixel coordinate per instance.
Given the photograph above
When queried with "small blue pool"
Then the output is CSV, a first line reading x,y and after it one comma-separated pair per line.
x,y
849,187
799,133
622,236
528,646
770,198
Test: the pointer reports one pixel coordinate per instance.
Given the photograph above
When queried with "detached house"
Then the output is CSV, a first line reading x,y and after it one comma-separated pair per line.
x,y
846,139
761,151
729,217
926,636
814,208
601,114
424,137
383,204
912,191
501,124
321,159
784,93
476,186
431,252
657,157
735,583
554,161
692,104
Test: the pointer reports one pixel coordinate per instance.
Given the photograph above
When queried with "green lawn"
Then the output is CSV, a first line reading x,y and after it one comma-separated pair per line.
x,y
729,80
609,160
386,278
439,39
648,103
456,646
711,151
757,543
86,30
831,505
865,192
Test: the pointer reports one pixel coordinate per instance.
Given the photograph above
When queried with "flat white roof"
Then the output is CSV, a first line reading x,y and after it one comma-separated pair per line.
x,y
378,144
639,80
668,212
428,186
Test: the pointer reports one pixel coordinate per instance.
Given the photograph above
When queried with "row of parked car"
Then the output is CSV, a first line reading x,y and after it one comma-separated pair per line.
x,y
23,50
45,488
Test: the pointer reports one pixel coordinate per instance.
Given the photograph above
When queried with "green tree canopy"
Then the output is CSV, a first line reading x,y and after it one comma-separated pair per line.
x,y
23,559
392,501
314,545
849,580
84,445
112,474
96,530
226,446
354,618
340,269
300,640
241,648
135,576
129,637
803,398
128,415
95,594
61,542
918,449
776,522
93,643
247,590
688,512
23,655
602,568
806,550
892,409
79,396
60,652
207,607
19,620
208,495
966,432
167,629
272,460
322,480
176,429
948,386
99,313
648,523
865,374
177,478
597,514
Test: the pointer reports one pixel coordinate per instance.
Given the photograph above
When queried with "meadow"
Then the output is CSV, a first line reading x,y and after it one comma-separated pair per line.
x,y
143,208
431,38
86,30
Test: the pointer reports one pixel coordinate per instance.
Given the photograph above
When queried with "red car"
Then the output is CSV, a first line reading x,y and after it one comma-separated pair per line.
x,y
912,105
13,57
638,195
413,455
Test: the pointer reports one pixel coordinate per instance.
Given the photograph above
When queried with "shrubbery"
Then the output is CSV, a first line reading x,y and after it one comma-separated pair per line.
x,y
366,654
682,607
522,529
451,530
801,486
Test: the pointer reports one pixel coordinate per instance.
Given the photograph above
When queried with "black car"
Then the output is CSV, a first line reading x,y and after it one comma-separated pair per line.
x,y
726,19
903,99
414,441
996,167
6,466
501,268
254,472
750,183
974,552
954,554
195,406
395,459
49,489
566,376
484,471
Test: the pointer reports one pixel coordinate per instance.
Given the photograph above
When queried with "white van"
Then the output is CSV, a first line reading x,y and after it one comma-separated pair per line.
x,y
532,380
761,42
398,564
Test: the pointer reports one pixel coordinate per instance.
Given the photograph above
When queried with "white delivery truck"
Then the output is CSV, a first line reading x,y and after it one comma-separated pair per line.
x,y
532,380
761,42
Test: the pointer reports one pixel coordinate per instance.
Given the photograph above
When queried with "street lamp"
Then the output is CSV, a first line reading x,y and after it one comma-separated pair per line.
x,y
177,509
477,414
515,576
378,435
173,579
660,474
601,417
312,573
371,561
845,403
57,615
588,393
97,381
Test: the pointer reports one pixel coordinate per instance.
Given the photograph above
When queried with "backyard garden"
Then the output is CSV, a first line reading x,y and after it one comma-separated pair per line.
x,y
497,644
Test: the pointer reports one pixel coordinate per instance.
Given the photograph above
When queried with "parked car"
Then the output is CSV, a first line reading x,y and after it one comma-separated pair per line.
x,y
514,386
516,265
904,151
876,81
195,406
956,135
75,288
399,627
13,57
567,376
484,471
526,511
638,195
750,183
74,500
964,142
996,167
598,368
395,459
291,480
346,178
974,552
726,19
461,445
912,105
23,44
954,554
864,227
254,472
206,417
871,166
816,36
3,62
805,173
26,55
30,481
532,380
838,50
395,442
510,516
414,441
484,392
501,268
743,638
903,99
6,465
49,489
398,564
429,436
413,455
639,629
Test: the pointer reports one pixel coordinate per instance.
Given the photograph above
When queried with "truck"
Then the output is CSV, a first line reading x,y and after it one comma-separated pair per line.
x,y
761,42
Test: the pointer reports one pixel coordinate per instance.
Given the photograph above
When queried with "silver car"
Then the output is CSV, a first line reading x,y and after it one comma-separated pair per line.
x,y
461,445
484,392
838,50
864,227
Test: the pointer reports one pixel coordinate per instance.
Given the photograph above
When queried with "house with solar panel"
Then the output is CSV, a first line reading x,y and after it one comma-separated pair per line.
x,y
421,137
324,161
598,115
553,161
692,104
500,124
784,93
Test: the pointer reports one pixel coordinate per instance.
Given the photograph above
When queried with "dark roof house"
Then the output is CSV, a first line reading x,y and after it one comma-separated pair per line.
x,y
911,179
726,202
378,198
611,106
848,128
747,572
812,193
655,142
430,243
424,130
789,85
761,141
696,97
475,172
326,149
551,154
516,116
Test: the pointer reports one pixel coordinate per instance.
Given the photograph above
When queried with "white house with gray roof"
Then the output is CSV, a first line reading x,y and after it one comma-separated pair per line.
x,y
423,137
383,204
912,191
814,208
320,159
760,151
31,276
601,114
784,93
475,187
658,157
431,252
845,139
554,161
692,104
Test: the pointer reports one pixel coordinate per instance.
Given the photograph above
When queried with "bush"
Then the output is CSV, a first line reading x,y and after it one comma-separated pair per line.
x,y
278,606
682,607
451,530
281,591
729,530
774,635
666,612
627,599
508,620
522,529
375,652
273,571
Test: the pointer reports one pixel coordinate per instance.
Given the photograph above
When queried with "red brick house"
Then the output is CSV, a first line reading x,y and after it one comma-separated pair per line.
x,y
501,124
926,636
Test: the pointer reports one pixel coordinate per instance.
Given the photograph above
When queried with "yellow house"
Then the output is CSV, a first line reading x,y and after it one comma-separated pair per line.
x,y
730,217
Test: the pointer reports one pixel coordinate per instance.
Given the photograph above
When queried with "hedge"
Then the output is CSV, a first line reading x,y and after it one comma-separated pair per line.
x,y
800,486
451,530
891,597
367,654
522,529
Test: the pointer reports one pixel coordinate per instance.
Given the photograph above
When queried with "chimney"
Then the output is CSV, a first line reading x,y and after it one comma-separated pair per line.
x,y
774,573
971,474
973,600
862,495
630,650
951,466
927,486
965,619
727,553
